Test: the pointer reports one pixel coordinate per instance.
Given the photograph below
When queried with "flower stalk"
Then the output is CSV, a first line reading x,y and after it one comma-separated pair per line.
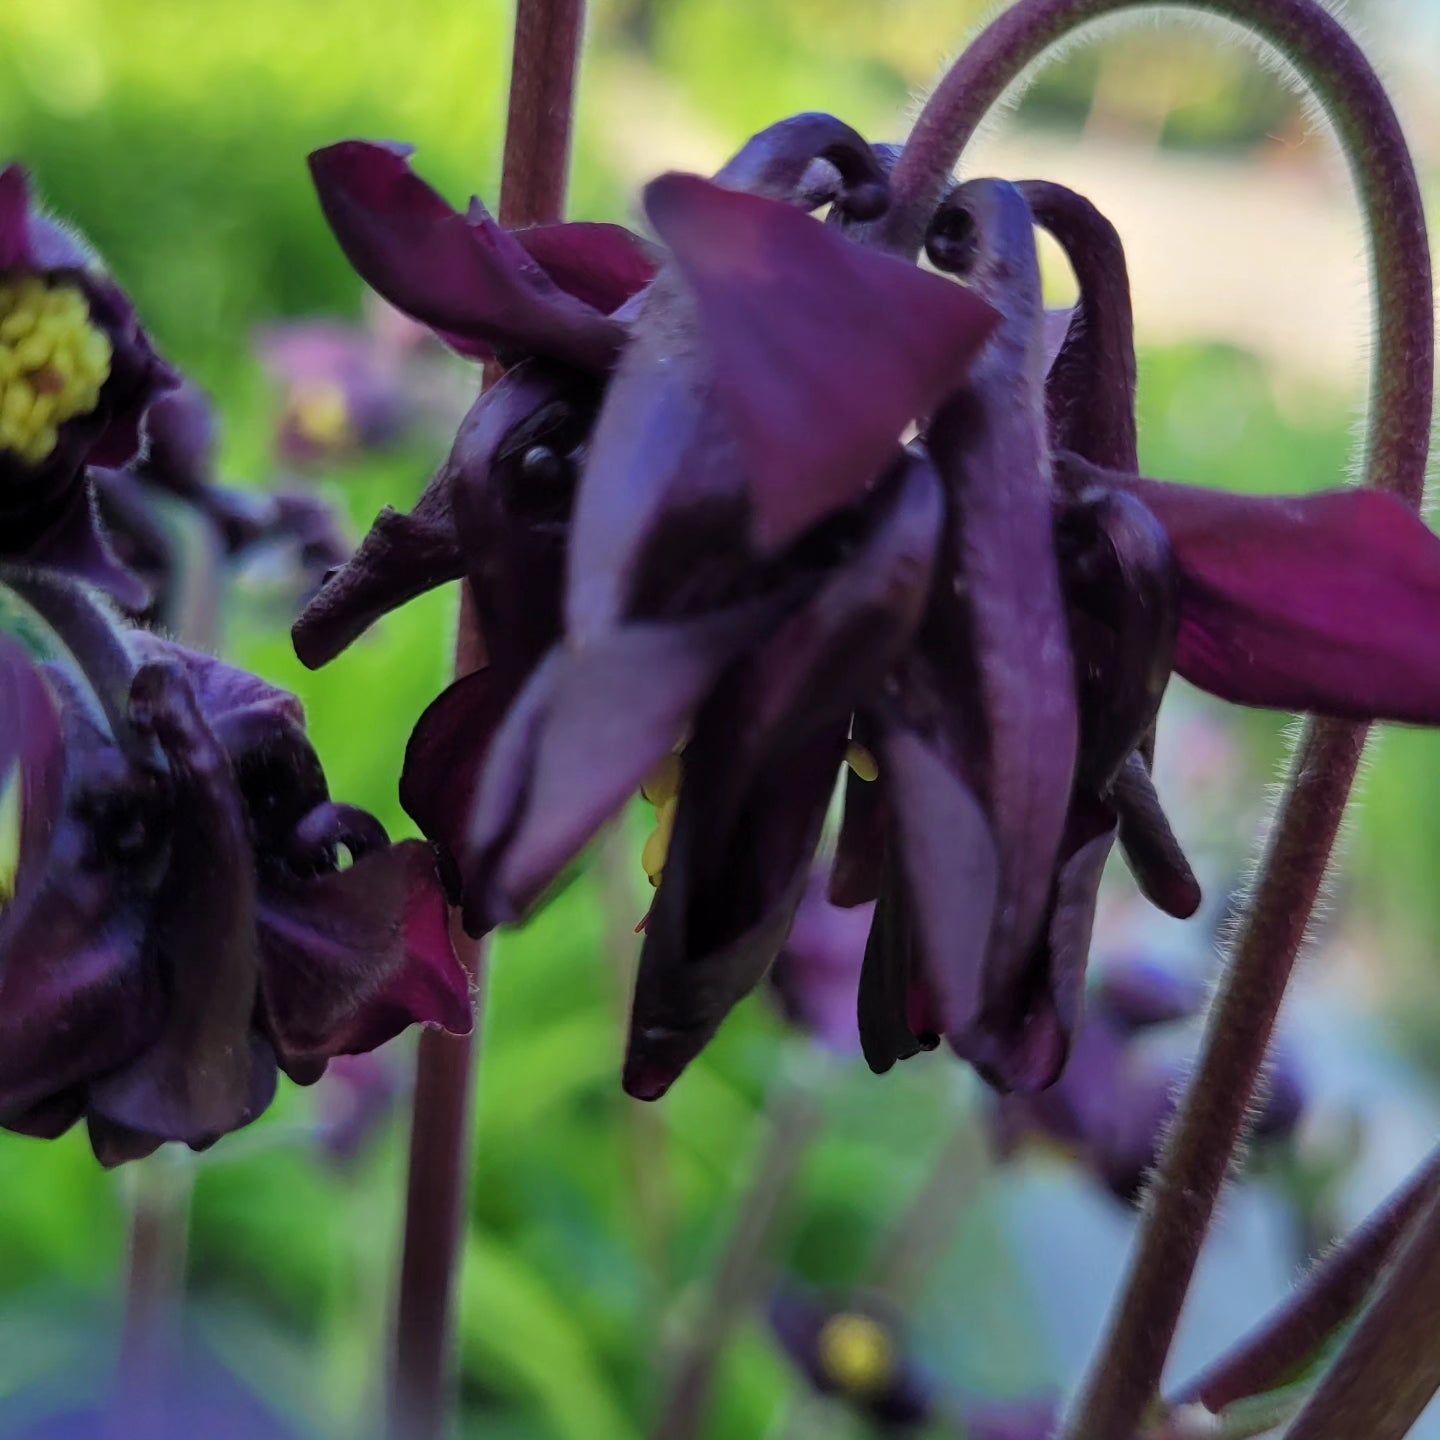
x,y
536,167
1212,1119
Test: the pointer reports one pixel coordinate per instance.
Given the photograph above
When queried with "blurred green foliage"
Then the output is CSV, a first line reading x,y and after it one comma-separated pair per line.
x,y
174,134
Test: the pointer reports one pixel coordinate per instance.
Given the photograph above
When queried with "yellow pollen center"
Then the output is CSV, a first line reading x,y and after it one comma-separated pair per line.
x,y
861,761
53,362
10,817
320,415
857,1354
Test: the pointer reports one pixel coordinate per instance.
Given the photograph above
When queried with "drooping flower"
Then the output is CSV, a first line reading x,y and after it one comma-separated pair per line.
x,y
76,375
857,1353
1114,1103
181,920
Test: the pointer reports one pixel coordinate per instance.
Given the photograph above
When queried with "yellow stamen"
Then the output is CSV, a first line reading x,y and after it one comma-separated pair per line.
x,y
657,847
53,361
321,415
10,817
861,761
857,1353
663,782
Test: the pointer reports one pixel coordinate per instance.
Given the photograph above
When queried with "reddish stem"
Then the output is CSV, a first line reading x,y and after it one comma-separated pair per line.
x,y
422,1395
1277,1350
1125,1379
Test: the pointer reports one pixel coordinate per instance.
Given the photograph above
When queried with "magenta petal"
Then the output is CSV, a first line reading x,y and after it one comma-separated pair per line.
x,y
822,351
462,275
603,265
14,207
1325,603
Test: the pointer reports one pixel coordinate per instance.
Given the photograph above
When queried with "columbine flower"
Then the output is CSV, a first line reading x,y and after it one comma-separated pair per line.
x,y
857,1353
170,521
180,920
76,374
1112,1106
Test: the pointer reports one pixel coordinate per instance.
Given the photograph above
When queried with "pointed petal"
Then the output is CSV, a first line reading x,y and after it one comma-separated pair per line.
x,y
601,265
587,729
891,1023
462,275
1090,391
822,351
1149,845
195,1082
1324,603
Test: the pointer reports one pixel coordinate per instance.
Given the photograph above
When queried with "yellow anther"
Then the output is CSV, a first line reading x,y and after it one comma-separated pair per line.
x,y
322,415
663,782
657,847
857,1353
53,361
10,817
861,761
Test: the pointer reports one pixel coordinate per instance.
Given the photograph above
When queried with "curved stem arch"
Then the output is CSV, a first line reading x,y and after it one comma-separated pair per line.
x,y
1343,82
1125,1378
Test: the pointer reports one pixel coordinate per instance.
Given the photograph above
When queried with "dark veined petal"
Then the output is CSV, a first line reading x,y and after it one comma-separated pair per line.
x,y
198,1080
1090,390
462,275
1325,603
779,162
1149,845
603,265
898,1014
590,725
1121,587
821,351
759,773
991,449
339,967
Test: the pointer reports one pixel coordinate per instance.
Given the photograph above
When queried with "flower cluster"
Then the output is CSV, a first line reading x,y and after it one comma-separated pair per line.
x,y
184,910
765,497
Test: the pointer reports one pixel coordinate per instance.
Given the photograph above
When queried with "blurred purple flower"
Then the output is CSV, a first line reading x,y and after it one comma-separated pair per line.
x,y
180,919
857,1353
76,375
1113,1104
358,1095
817,973
137,506
344,389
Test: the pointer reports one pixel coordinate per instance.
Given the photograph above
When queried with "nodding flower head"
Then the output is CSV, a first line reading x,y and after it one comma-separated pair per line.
x,y
187,909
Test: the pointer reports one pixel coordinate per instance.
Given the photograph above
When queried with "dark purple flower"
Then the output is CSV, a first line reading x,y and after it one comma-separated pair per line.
x,y
76,375
1112,1106
181,919
858,1354
172,523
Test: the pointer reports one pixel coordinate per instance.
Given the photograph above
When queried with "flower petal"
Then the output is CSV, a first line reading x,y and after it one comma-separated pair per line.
x,y
779,161
462,275
822,351
1149,845
601,265
1324,603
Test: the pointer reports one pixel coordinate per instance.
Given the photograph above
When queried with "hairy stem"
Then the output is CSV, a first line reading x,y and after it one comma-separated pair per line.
x,y
1389,1369
422,1381
1286,1342
1125,1379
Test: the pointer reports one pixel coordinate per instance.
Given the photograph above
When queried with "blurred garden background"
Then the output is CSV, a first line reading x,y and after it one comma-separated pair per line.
x,y
174,134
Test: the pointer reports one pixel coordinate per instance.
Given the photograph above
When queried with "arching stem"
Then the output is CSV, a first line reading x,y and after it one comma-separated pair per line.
x,y
1125,1379
422,1379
